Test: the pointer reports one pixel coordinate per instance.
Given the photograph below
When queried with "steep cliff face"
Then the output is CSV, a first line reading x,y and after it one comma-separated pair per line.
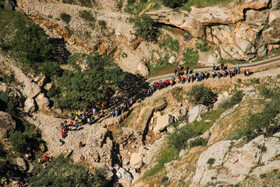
x,y
241,31
99,28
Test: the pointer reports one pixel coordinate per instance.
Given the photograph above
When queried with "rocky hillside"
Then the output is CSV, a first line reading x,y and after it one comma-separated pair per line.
x,y
217,132
238,31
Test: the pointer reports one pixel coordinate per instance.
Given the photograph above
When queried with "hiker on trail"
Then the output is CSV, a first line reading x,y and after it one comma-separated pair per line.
x,y
222,66
219,75
182,79
187,70
80,145
93,111
214,66
230,73
175,72
191,71
225,73
112,113
61,142
102,105
213,74
206,75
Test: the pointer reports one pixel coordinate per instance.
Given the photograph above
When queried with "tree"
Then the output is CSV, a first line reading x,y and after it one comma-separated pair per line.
x,y
97,83
63,172
202,95
173,3
31,44
146,28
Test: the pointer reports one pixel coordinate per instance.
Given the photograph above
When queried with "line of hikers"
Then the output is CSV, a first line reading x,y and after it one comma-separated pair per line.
x,y
191,77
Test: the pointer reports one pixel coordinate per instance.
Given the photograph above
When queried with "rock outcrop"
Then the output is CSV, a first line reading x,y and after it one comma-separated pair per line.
x,y
7,124
195,112
235,163
238,30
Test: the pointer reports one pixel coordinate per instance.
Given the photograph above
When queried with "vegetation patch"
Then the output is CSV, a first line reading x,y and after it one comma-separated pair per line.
x,y
235,99
79,89
87,16
190,56
166,155
178,139
63,172
201,95
86,3
65,17
204,3
169,45
135,6
202,46
146,28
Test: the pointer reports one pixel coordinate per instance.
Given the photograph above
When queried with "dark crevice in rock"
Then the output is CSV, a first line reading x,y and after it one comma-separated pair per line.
x,y
146,130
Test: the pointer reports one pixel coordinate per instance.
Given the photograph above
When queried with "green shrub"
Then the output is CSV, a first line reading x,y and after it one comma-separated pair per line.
x,y
146,28
87,16
19,141
263,175
198,142
263,122
50,68
211,161
26,138
8,103
63,172
169,44
102,23
178,139
201,95
173,3
202,46
255,81
235,99
190,56
94,85
239,80
31,45
65,17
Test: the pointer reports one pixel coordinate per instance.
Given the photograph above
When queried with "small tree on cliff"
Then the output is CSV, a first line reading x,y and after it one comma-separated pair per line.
x,y
146,28
173,3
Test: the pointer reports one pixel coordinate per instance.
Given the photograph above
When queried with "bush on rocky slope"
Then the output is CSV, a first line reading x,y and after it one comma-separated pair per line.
x,y
80,89
63,172
202,95
146,28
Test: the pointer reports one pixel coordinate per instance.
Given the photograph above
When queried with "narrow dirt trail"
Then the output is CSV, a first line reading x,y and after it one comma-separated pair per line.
x,y
271,72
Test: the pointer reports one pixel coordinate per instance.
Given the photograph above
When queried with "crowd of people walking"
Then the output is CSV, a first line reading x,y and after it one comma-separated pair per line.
x,y
181,75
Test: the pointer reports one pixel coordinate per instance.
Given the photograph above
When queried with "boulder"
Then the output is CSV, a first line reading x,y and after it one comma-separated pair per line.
x,y
275,4
274,17
160,105
271,35
29,105
40,79
136,160
31,89
250,92
203,173
21,163
163,122
122,173
42,102
172,60
7,124
143,70
195,112
255,17
48,86
10,5
221,101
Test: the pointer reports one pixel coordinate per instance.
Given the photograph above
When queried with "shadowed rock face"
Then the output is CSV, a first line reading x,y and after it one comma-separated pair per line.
x,y
236,29
7,124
